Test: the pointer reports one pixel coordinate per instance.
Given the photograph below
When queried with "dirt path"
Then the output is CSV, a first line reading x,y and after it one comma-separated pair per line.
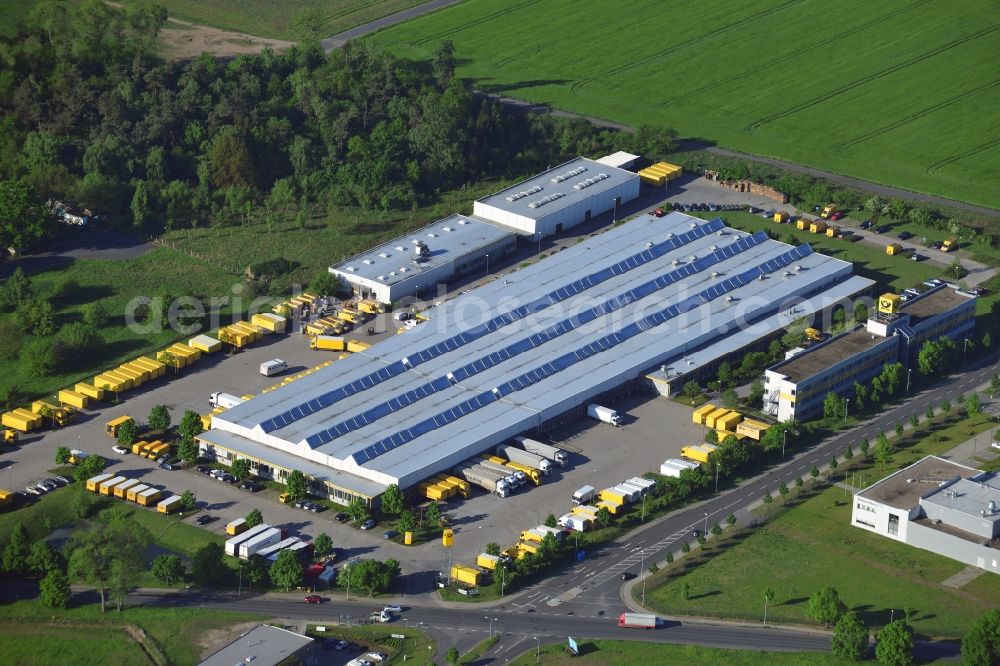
x,y
183,41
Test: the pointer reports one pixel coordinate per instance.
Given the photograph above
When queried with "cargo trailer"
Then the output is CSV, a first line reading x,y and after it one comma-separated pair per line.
x,y
121,490
699,453
637,621
149,496
702,413
73,399
604,414
584,495
89,390
169,505
522,457
233,544
328,343
108,486
466,575
237,526
132,493
259,542
94,482
547,451
274,549
205,343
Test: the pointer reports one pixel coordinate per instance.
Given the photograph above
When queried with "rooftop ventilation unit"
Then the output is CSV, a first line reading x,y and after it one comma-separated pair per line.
x,y
381,277
729,299
350,269
368,262
399,248
715,274
649,245
713,248
421,252
584,184
798,267
786,274
383,255
432,235
517,195
462,222
448,229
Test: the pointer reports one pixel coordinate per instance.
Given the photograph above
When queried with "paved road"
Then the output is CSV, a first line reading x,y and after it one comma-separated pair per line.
x,y
338,40
86,243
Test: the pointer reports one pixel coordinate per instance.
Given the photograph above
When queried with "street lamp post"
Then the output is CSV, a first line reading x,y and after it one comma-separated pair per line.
x,y
965,347
847,403
487,265
716,478
643,517
538,647
909,371
706,523
784,442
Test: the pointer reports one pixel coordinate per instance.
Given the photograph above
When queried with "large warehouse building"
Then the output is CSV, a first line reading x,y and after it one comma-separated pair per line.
x,y
517,353
560,198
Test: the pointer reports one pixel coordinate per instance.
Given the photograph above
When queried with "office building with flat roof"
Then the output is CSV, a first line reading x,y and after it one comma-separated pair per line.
x,y
939,506
265,645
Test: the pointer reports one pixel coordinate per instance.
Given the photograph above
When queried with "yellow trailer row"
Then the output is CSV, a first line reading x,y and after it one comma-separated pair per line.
x,y
752,429
327,326
660,173
293,306
21,419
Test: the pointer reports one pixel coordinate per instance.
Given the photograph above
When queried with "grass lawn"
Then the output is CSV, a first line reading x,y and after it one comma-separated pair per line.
x,y
417,647
321,242
870,262
745,76
37,634
266,18
171,532
872,574
629,653
114,284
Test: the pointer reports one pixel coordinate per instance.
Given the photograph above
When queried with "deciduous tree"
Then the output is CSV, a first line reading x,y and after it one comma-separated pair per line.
x,y
825,606
54,590
286,571
393,500
254,518
167,568
894,644
850,637
159,418
296,484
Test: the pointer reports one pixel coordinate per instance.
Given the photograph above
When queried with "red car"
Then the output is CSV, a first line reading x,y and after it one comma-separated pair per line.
x,y
314,599
659,212
836,216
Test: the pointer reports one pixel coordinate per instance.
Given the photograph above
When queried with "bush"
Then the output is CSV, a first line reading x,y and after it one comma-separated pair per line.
x,y
271,268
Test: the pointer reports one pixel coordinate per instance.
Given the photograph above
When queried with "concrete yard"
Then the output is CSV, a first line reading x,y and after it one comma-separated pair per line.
x,y
655,429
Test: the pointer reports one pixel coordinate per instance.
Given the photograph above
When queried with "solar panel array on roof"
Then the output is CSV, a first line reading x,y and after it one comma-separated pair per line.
x,y
560,328
451,344
564,361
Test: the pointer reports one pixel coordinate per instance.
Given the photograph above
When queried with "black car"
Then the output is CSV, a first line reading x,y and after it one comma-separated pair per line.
x,y
904,235
204,469
204,519
884,228
627,575
252,486
937,245
867,224
341,517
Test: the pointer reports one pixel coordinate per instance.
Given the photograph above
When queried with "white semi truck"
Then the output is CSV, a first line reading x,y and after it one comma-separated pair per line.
x,y
555,454
260,542
604,414
487,479
226,400
514,454
233,544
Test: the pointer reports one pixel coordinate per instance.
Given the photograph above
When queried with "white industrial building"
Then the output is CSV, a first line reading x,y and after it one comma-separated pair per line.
x,y
939,506
559,198
516,354
416,263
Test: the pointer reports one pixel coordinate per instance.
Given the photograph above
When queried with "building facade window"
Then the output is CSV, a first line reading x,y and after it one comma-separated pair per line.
x,y
893,524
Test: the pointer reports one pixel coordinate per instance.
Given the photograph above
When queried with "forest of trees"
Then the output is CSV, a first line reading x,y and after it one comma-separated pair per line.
x,y
92,115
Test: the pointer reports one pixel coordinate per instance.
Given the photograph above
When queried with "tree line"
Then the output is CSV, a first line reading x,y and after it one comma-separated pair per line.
x,y
90,112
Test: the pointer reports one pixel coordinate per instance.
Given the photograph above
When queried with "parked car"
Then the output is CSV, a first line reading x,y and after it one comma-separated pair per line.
x,y
120,450
937,245
627,575
393,608
252,486
340,645
168,466
46,486
659,212
916,256
204,519
867,224
389,534
204,469
837,215
226,477
341,517
368,524
882,229
904,235
32,490
314,599
65,480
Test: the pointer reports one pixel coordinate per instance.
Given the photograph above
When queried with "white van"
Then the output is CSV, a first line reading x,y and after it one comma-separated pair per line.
x,y
273,367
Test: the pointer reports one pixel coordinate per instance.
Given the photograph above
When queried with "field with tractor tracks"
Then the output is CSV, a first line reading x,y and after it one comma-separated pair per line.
x,y
901,93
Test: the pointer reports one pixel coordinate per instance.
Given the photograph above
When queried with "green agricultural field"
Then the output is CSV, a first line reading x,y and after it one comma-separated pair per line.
x,y
267,18
902,93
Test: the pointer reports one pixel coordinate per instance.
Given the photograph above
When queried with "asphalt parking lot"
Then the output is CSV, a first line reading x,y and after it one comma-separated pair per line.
x,y
601,455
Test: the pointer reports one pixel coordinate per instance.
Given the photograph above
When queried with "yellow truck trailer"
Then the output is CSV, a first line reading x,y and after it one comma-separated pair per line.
x,y
752,429
156,369
525,548
169,505
123,381
699,415
530,472
73,399
328,343
817,227
609,495
90,390
237,526
613,509
802,224
137,447
712,419
157,450
94,482
21,419
698,453
121,490
106,487
205,344
780,217
135,376
832,231
949,244
269,323
132,493
466,575
893,249
729,421
829,210
148,497
106,381
532,535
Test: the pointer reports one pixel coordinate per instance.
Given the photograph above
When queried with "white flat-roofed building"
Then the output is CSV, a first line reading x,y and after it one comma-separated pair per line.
x,y
937,505
559,198
516,354
415,264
